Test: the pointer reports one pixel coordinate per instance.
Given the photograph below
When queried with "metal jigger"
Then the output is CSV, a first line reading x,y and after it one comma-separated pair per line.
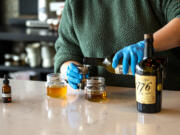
x,y
83,70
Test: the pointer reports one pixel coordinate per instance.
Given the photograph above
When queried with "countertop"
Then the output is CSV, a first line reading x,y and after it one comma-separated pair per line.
x,y
33,113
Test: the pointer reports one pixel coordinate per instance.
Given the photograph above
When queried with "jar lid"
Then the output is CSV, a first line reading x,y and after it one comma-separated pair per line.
x,y
16,58
49,21
55,21
7,56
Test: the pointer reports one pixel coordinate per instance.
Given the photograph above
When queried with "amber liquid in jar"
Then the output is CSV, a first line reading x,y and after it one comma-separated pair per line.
x,y
96,96
57,91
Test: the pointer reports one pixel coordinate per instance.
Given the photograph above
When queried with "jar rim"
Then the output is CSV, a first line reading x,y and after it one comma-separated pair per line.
x,y
98,79
55,77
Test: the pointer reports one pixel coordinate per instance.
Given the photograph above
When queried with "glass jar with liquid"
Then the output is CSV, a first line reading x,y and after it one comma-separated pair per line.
x,y
95,89
56,86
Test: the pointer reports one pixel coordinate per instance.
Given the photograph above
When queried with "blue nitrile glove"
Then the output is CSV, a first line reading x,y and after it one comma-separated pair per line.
x,y
73,76
133,53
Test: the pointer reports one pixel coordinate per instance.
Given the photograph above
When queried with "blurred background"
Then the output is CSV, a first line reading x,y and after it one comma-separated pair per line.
x,y
28,31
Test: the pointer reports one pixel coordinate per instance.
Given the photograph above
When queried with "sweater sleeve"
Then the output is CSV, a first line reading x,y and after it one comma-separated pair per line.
x,y
67,45
171,9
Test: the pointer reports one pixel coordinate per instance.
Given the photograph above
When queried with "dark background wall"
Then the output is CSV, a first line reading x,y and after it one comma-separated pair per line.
x,y
1,11
28,7
15,8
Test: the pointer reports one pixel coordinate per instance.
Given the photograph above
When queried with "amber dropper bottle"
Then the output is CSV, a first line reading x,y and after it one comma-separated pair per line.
x,y
6,90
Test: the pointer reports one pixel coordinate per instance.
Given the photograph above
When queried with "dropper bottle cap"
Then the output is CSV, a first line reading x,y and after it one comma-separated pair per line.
x,y
6,81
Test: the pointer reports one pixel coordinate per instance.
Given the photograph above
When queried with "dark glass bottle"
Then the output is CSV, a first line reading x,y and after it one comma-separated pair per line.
x,y
106,63
6,90
149,80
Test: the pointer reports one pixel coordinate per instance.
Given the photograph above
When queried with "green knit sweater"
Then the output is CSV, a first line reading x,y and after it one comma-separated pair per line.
x,y
98,28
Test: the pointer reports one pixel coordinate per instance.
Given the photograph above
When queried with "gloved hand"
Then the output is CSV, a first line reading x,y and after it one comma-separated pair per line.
x,y
73,76
133,54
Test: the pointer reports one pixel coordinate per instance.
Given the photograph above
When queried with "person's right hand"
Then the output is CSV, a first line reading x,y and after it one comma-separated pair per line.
x,y
73,75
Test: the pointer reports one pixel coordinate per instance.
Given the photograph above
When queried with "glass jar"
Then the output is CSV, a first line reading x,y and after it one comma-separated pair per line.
x,y
95,89
56,86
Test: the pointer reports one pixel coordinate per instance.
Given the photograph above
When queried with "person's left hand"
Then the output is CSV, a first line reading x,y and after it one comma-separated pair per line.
x,y
133,53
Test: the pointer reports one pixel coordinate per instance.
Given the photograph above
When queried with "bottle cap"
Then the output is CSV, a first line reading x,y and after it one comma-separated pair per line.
x,y
6,81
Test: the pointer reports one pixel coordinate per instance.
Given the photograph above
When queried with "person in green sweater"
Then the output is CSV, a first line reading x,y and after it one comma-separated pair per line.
x,y
99,28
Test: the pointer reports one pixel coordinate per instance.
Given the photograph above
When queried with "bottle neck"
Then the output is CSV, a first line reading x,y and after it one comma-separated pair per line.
x,y
148,48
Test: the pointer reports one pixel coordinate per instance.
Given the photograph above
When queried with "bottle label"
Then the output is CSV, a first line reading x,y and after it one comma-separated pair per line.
x,y
145,89
5,95
119,70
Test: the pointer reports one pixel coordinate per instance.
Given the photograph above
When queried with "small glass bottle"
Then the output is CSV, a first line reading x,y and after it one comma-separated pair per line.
x,y
56,86
6,90
95,89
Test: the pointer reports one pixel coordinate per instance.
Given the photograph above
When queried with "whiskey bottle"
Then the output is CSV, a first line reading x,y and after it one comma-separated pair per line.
x,y
6,90
149,80
105,62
